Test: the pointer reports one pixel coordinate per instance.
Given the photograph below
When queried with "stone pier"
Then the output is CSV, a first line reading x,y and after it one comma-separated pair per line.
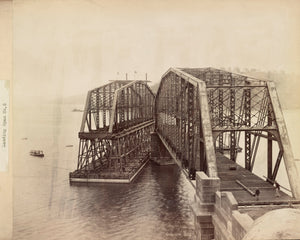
x,y
218,215
203,206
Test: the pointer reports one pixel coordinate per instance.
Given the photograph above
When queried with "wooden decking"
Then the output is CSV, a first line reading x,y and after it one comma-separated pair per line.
x,y
229,172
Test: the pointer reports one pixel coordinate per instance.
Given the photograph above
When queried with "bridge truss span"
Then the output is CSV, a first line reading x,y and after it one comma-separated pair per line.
x,y
116,106
201,111
114,137
183,122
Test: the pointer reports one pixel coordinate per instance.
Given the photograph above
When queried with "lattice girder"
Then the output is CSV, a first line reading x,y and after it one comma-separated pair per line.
x,y
117,106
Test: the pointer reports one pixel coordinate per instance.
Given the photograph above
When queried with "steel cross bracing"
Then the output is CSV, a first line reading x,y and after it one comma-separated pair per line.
x,y
116,126
203,110
116,106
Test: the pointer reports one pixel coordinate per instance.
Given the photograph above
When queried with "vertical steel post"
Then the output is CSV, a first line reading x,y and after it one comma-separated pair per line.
x,y
247,107
89,120
197,138
97,109
190,121
183,120
104,96
177,113
232,122
127,107
79,162
221,114
270,146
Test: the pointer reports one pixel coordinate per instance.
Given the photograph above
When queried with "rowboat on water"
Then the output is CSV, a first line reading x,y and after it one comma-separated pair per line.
x,y
37,153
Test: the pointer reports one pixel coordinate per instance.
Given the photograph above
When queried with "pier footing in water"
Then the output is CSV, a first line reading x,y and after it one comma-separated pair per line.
x,y
125,174
159,153
110,180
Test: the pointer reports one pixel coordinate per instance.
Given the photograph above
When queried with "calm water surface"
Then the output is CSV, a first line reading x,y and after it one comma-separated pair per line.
x,y
155,206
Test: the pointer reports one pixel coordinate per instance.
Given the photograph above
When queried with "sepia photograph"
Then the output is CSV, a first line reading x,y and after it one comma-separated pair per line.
x,y
149,120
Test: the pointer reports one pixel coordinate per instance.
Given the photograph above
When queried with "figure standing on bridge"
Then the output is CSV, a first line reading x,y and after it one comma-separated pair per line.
x,y
192,173
257,192
277,188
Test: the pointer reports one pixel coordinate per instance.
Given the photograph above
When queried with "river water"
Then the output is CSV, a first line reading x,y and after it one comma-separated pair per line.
x,y
155,206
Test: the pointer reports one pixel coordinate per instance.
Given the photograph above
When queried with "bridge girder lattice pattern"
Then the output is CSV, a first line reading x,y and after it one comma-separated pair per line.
x,y
203,110
116,126
116,106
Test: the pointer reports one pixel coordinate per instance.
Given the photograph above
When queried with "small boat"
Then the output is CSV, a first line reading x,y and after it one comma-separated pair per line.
x,y
77,110
69,145
37,153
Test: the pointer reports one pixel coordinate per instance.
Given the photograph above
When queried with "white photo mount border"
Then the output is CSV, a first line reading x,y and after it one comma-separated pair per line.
x,y
4,124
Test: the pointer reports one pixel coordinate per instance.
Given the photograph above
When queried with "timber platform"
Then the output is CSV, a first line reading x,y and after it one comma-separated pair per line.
x,y
243,184
116,174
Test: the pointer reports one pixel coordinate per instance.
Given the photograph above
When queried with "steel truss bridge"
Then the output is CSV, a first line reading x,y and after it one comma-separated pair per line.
x,y
115,128
198,114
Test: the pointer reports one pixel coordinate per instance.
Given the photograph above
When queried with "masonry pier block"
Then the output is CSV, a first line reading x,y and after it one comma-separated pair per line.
x,y
216,214
203,206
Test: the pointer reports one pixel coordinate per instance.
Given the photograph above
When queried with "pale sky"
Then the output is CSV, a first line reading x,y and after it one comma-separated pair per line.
x,y
66,47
